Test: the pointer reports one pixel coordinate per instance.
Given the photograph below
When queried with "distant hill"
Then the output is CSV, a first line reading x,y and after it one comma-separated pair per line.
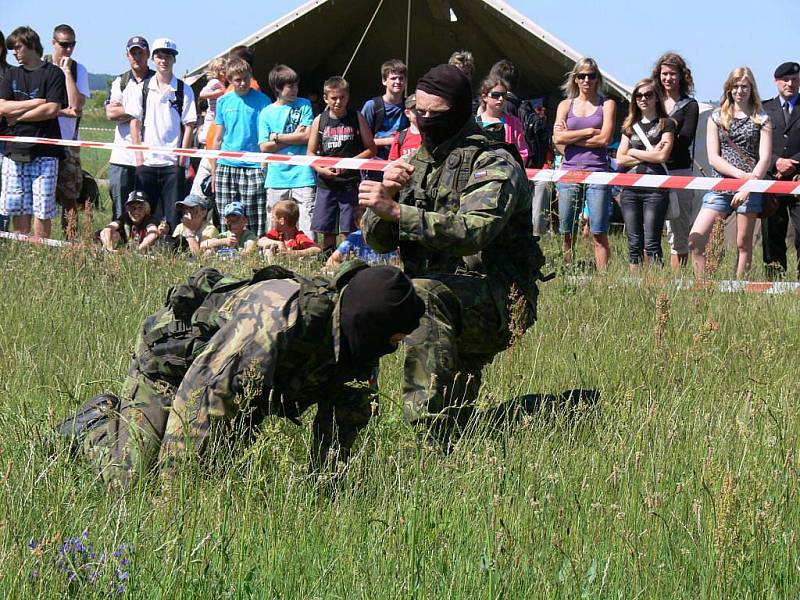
x,y
99,81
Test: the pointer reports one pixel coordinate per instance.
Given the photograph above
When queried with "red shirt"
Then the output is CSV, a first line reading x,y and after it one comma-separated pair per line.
x,y
300,241
411,142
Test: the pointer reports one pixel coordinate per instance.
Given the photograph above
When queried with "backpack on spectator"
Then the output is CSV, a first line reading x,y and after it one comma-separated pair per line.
x,y
73,69
177,104
536,132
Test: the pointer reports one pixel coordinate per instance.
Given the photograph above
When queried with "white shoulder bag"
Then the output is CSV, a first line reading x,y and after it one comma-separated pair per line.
x,y
674,208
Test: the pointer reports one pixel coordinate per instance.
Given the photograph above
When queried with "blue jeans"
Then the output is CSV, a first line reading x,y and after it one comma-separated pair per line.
x,y
644,211
571,197
721,202
121,182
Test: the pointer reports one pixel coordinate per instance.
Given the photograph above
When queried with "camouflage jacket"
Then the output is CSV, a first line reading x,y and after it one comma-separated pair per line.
x,y
272,344
467,209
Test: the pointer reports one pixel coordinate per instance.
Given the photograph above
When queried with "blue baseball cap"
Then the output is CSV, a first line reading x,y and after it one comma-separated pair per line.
x,y
234,209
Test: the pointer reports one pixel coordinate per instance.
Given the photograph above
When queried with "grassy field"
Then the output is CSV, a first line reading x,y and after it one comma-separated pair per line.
x,y
682,483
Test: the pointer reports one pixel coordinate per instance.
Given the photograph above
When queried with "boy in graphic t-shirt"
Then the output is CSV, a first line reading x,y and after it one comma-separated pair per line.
x,y
283,128
343,133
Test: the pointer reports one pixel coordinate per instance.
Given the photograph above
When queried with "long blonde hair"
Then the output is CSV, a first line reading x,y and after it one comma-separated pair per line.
x,y
726,101
635,113
570,85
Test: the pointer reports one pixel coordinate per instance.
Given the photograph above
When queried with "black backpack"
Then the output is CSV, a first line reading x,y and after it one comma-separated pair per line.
x,y
536,132
177,104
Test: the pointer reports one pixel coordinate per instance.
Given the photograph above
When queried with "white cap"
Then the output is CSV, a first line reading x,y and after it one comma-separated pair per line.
x,y
165,45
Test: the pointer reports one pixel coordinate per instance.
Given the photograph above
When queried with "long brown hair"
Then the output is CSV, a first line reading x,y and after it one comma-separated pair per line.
x,y
635,113
671,59
726,101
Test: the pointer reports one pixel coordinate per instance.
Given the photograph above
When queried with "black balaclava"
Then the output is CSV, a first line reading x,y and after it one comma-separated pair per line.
x,y
377,303
448,82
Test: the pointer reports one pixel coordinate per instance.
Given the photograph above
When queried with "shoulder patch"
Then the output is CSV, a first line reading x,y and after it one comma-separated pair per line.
x,y
478,175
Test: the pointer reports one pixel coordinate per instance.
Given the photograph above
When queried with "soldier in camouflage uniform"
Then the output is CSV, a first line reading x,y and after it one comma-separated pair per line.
x,y
460,214
274,345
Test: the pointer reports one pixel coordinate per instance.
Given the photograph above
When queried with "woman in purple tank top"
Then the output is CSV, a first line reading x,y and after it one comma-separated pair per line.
x,y
584,127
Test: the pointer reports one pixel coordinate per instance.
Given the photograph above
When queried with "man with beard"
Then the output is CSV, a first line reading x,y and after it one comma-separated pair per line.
x,y
460,213
223,349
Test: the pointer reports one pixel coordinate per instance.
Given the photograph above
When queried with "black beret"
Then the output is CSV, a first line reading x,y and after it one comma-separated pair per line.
x,y
787,69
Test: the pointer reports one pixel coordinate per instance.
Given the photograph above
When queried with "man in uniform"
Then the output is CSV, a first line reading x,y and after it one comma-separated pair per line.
x,y
222,349
460,213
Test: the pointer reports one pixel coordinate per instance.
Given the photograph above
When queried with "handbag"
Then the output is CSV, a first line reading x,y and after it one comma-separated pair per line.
x,y
674,208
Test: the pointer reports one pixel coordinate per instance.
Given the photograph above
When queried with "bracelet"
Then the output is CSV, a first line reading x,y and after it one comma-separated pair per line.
x,y
276,138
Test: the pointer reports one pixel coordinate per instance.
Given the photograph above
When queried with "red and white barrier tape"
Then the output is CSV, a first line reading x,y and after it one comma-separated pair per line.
x,y
21,237
369,164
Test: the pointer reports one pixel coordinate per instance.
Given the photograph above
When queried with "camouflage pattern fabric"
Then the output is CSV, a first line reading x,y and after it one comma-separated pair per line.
x,y
70,178
465,237
266,348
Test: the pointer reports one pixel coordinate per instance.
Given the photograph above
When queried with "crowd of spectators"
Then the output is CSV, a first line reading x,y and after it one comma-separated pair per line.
x,y
240,207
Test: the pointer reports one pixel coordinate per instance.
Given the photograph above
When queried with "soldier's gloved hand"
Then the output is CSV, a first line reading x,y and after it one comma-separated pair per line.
x,y
397,176
374,195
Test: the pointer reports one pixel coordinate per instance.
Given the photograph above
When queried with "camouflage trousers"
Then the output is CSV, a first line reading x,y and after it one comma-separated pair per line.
x,y
70,178
466,323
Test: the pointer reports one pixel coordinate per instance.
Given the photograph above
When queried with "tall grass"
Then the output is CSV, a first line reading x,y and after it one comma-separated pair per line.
x,y
683,483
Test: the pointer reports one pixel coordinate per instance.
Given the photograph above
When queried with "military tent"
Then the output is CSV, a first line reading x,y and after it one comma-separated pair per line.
x,y
353,37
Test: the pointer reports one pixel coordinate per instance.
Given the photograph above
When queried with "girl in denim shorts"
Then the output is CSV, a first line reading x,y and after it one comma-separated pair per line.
x,y
739,142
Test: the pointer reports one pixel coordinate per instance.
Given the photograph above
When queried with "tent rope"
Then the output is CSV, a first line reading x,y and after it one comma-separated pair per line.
x,y
361,41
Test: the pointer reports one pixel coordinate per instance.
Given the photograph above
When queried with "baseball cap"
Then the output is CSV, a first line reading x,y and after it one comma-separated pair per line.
x,y
137,41
234,208
191,201
165,45
787,69
136,196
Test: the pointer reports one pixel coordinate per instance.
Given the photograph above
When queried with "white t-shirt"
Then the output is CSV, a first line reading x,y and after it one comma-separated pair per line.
x,y
163,124
67,124
122,132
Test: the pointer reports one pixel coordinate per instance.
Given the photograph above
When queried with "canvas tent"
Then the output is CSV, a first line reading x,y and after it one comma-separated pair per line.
x,y
353,37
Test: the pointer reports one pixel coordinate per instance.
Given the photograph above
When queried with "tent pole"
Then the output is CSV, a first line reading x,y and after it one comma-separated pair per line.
x,y
361,41
408,42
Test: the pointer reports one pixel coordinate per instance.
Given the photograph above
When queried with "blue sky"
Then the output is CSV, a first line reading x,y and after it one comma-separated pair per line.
x,y
624,36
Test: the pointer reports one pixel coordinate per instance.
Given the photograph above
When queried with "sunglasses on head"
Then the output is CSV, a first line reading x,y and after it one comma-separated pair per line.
x,y
643,95
66,45
586,76
497,95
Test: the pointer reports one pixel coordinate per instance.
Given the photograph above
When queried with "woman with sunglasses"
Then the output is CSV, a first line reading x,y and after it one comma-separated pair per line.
x,y
644,209
673,80
739,144
493,117
584,126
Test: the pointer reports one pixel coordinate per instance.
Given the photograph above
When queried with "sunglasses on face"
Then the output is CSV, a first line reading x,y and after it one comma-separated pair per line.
x,y
66,45
643,95
589,76
497,95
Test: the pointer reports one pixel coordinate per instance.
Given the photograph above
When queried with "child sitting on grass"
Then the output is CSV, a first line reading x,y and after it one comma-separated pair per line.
x,y
136,227
285,237
354,246
238,239
195,228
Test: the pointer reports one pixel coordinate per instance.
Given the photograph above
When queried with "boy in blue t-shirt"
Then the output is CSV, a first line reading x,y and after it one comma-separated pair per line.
x,y
386,114
355,246
283,128
237,119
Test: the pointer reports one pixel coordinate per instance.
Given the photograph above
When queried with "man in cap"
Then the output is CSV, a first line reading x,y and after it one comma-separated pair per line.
x,y
784,112
163,114
460,213
122,164
224,349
